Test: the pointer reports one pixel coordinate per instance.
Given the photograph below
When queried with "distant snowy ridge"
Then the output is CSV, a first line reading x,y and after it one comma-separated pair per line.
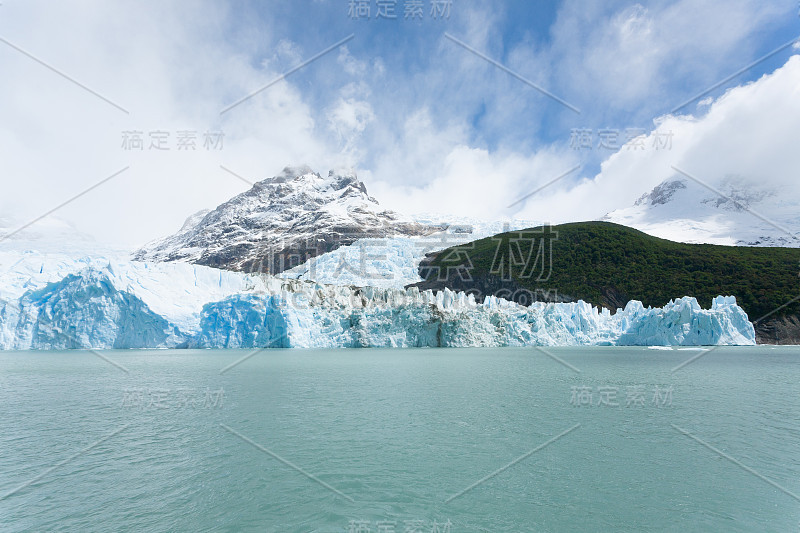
x,y
50,303
734,212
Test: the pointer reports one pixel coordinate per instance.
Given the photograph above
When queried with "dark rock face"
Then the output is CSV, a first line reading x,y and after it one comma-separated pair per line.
x,y
662,193
783,330
282,222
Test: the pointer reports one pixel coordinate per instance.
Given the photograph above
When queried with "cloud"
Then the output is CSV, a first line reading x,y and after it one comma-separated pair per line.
x,y
468,181
287,55
634,61
609,59
429,125
747,132
350,64
476,183
348,119
173,67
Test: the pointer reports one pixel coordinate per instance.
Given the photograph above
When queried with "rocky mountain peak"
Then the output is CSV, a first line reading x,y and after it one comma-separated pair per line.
x,y
282,221
662,193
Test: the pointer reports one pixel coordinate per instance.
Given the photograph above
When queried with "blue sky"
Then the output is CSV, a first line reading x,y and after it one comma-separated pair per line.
x,y
542,41
684,48
428,125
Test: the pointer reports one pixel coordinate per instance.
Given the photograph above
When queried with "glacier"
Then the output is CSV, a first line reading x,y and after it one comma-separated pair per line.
x,y
385,262
52,301
393,261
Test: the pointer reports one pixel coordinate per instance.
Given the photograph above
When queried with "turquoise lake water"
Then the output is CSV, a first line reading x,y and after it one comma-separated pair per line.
x,y
443,440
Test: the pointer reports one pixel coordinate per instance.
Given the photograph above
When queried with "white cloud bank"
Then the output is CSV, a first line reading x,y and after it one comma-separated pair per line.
x,y
175,65
750,131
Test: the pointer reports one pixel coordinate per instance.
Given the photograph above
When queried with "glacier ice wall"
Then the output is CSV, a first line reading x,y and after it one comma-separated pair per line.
x,y
393,261
85,311
52,303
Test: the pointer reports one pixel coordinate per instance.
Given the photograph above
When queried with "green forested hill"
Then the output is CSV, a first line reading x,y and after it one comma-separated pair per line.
x,y
608,264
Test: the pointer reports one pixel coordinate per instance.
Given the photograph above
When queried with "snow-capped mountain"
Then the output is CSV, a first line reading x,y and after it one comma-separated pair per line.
x,y
734,212
281,222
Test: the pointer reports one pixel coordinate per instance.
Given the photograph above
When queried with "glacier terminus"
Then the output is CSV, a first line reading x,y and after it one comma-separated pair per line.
x,y
59,302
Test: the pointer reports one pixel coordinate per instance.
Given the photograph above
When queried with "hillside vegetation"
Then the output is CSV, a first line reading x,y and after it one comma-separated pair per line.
x,y
608,264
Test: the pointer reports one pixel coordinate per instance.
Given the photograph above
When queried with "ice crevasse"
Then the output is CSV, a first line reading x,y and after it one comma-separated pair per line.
x,y
60,303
